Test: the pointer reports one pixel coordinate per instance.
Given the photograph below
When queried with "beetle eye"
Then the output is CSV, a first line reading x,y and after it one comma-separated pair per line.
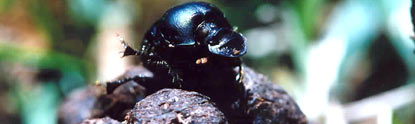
x,y
203,32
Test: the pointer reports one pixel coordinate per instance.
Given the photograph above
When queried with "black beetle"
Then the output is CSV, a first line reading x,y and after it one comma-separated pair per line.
x,y
193,47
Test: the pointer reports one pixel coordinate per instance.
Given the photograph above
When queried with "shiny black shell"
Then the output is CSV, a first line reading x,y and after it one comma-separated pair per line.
x,y
193,29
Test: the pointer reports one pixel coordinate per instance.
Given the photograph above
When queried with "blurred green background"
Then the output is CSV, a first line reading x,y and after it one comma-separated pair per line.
x,y
343,61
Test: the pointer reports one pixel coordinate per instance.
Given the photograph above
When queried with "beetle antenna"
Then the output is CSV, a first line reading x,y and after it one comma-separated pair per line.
x,y
128,50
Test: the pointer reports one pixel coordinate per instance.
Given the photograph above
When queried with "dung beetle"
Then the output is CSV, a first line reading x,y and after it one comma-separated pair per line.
x,y
193,47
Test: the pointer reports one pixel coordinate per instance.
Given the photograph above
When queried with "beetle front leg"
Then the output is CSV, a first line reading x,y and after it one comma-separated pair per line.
x,y
240,71
240,74
163,65
140,79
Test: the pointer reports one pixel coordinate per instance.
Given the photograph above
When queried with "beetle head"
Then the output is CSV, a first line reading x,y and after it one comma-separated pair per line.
x,y
199,23
221,40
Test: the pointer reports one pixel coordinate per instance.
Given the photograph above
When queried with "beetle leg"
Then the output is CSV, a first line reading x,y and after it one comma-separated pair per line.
x,y
174,74
111,86
176,78
163,65
240,74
